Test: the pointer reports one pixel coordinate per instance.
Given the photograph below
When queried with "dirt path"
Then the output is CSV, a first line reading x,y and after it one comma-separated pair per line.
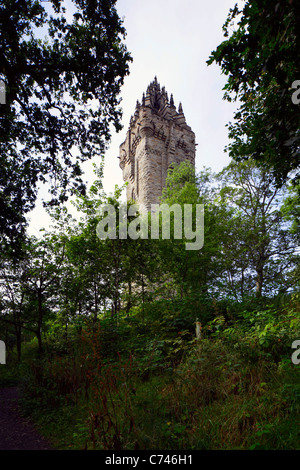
x,y
17,433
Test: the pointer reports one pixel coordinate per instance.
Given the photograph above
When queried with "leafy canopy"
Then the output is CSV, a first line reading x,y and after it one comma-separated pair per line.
x,y
62,76
260,60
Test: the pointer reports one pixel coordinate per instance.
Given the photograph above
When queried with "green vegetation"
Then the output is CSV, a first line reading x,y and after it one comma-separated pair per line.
x,y
259,58
63,71
101,333
148,383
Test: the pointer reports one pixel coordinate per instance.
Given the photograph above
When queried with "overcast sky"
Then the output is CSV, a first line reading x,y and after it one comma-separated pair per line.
x,y
171,39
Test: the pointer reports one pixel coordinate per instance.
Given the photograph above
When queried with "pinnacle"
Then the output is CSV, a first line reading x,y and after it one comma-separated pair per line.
x,y
156,98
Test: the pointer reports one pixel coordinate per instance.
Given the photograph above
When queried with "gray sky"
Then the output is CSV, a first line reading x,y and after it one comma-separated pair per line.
x,y
171,39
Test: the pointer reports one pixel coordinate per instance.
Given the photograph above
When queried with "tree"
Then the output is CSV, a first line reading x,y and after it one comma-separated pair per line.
x,y
13,299
260,59
194,271
257,239
62,80
45,264
86,286
28,285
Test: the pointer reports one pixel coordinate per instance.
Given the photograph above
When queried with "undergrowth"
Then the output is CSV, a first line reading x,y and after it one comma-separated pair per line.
x,y
148,383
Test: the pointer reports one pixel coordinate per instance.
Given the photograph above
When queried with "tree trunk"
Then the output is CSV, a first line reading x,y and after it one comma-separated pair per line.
x,y
128,306
96,303
18,330
259,280
19,341
242,283
143,297
40,320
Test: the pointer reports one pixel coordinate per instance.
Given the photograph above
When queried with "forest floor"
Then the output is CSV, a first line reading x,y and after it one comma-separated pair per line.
x,y
16,432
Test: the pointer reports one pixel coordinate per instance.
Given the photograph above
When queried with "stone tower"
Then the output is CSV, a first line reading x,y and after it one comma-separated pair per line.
x,y
158,136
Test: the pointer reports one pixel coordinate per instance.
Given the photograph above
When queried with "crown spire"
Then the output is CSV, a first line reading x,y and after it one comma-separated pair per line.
x,y
156,98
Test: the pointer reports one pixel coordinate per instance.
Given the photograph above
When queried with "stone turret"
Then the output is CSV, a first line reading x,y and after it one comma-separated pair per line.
x,y
158,136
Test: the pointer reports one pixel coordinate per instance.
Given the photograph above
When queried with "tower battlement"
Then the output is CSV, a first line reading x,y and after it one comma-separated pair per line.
x,y
158,136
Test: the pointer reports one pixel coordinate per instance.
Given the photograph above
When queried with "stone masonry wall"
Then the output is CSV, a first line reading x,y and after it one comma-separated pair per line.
x,y
157,137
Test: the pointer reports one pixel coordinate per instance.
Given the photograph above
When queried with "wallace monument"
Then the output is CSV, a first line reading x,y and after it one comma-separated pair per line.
x,y
158,136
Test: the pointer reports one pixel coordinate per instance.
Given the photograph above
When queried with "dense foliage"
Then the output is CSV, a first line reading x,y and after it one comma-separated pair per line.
x,y
132,343
260,58
62,78
109,324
